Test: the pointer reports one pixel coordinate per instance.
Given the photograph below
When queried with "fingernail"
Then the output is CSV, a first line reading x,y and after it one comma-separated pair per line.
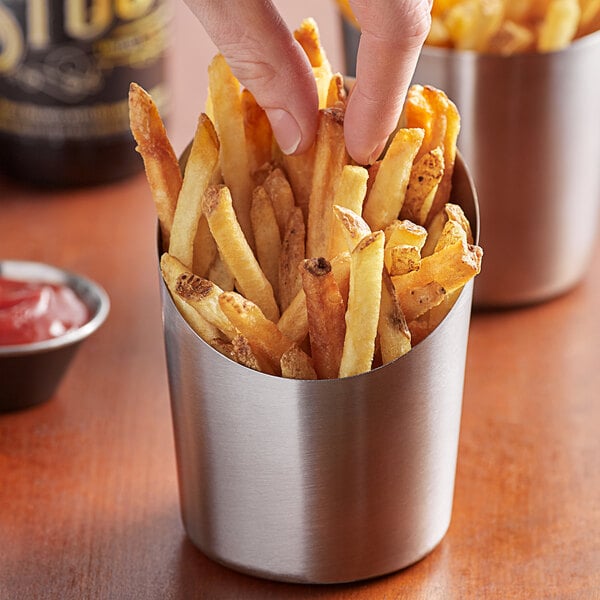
x,y
285,129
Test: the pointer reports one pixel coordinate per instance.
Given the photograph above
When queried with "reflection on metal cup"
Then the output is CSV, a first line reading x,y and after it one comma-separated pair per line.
x,y
319,481
530,133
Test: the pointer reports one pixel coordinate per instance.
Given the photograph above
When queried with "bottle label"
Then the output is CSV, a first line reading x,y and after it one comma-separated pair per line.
x,y
66,65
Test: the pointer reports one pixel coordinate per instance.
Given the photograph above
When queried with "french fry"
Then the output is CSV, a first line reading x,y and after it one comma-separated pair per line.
x,y
242,352
294,320
295,364
350,194
401,259
259,136
394,335
450,212
336,95
299,171
511,38
405,232
262,334
160,162
205,249
326,311
266,236
282,197
229,123
203,295
202,161
442,272
170,268
354,227
330,158
307,35
235,250
220,274
423,325
362,314
386,197
590,16
438,33
292,253
559,25
422,187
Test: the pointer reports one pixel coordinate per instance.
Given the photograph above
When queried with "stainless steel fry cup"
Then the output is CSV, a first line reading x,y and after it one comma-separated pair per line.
x,y
530,133
319,481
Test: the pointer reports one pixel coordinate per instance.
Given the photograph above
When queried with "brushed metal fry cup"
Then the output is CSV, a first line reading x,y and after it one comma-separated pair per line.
x,y
530,133
319,481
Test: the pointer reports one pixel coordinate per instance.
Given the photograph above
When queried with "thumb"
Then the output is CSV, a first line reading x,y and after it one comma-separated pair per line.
x,y
264,56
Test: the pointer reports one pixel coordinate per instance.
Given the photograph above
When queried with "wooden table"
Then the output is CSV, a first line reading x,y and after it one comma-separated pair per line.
x,y
88,492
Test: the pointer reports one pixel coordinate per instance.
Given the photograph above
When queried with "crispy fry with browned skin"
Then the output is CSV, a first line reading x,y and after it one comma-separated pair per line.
x,y
336,95
203,295
394,335
294,320
266,236
296,364
364,299
280,192
442,272
171,269
423,184
330,158
387,193
326,311
226,98
262,334
160,162
235,251
292,253
201,164
259,135
450,212
299,172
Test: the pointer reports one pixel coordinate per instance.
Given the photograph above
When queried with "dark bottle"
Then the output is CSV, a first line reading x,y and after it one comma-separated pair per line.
x,y
65,69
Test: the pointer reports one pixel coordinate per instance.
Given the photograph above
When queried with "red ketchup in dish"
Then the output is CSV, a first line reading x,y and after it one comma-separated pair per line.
x,y
32,311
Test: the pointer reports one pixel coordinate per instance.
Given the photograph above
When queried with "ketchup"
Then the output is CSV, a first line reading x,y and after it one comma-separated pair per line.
x,y
32,311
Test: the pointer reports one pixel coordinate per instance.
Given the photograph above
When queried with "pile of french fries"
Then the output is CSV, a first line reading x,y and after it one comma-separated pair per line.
x,y
507,27
308,266
512,26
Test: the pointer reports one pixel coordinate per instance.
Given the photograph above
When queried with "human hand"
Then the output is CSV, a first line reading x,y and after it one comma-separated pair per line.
x,y
265,57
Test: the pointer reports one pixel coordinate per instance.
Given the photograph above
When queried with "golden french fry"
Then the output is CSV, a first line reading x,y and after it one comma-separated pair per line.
x,y
266,236
242,352
235,250
405,232
292,253
590,16
354,227
438,33
262,334
170,268
471,23
559,25
350,194
294,320
229,123
422,187
362,314
448,269
336,95
423,325
202,161
205,249
299,172
394,335
160,162
450,212
386,197
296,364
326,311
518,10
259,136
203,295
330,158
402,258
281,195
307,35
220,274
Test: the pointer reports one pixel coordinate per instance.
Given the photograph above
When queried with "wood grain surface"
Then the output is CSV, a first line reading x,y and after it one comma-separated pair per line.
x,y
88,491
